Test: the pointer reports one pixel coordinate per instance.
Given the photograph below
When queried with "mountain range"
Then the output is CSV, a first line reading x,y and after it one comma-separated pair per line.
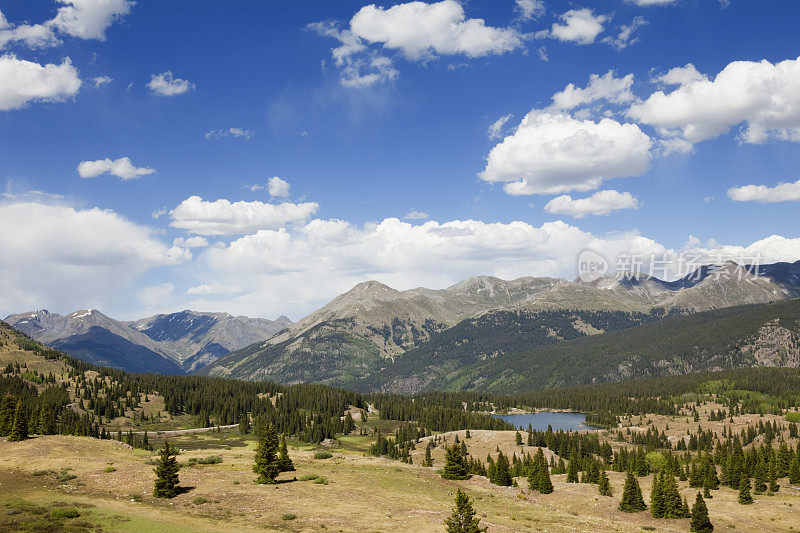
x,y
374,337
174,343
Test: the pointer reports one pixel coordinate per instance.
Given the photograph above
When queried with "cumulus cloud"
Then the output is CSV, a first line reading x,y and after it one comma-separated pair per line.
x,y
214,288
762,96
191,242
416,215
166,84
417,30
66,258
627,34
551,153
237,133
783,192
155,296
296,270
579,26
278,187
496,129
606,87
121,168
31,36
530,9
23,81
89,19
223,217
600,203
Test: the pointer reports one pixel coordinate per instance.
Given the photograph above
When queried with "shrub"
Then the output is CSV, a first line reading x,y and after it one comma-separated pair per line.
x,y
210,460
110,469
308,477
199,500
323,454
67,512
321,481
288,516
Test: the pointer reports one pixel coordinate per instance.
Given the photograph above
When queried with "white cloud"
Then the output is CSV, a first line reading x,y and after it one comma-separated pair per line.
x,y
626,35
191,242
600,203
237,133
579,26
25,81
65,258
89,19
419,31
416,215
214,288
646,3
551,153
762,96
121,168
278,187
223,217
530,9
606,87
101,80
155,296
783,192
166,84
496,129
32,36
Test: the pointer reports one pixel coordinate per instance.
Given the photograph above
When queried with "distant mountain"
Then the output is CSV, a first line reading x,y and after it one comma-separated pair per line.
x,y
742,336
374,330
169,344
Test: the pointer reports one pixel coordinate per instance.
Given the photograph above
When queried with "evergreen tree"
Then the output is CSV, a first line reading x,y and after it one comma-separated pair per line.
x,y
518,439
284,461
572,471
745,498
428,458
166,485
502,474
603,485
7,407
467,435
266,460
794,470
544,485
632,501
19,431
463,518
244,424
455,464
759,478
773,477
700,522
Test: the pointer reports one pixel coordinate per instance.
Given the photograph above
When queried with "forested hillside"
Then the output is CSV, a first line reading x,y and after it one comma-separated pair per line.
x,y
753,335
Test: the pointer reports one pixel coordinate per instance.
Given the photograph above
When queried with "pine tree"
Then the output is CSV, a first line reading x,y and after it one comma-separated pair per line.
x,y
266,460
19,431
772,475
244,424
700,522
794,470
603,485
428,457
455,464
658,504
518,439
284,461
166,485
7,408
502,474
463,518
544,485
745,498
572,471
632,501
759,478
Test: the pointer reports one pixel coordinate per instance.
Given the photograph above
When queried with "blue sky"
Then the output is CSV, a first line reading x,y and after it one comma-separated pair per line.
x,y
376,120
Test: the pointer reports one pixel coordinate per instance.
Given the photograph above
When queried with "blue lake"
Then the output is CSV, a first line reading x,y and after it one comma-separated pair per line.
x,y
540,421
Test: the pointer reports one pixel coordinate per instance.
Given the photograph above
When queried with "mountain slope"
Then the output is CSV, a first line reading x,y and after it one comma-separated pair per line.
x,y
171,343
362,331
742,336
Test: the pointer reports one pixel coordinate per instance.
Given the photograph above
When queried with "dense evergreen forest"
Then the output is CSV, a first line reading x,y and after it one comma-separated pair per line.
x,y
491,335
